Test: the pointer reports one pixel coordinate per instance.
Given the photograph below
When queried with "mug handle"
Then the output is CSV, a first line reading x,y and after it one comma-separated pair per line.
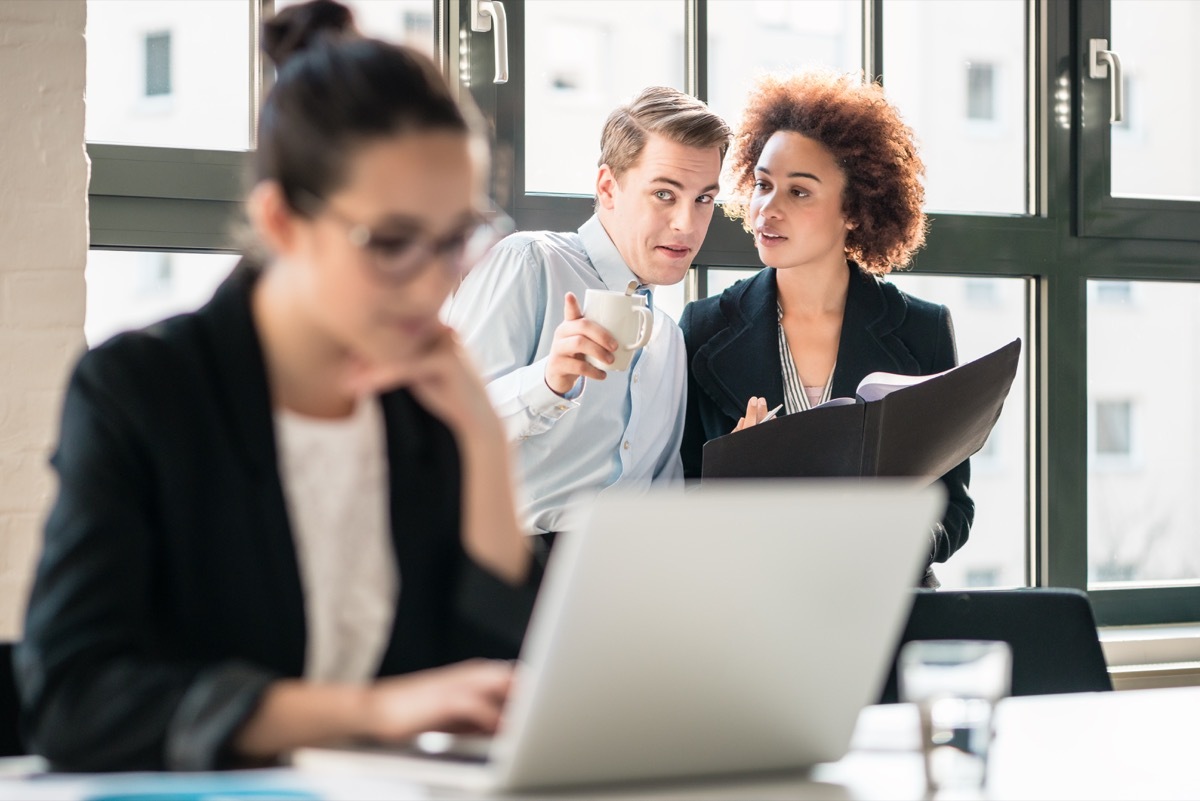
x,y
645,329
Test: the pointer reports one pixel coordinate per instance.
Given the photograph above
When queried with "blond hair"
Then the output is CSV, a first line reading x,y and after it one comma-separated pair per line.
x,y
660,110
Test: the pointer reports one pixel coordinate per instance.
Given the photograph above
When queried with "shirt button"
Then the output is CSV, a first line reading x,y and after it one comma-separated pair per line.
x,y
635,378
561,407
626,445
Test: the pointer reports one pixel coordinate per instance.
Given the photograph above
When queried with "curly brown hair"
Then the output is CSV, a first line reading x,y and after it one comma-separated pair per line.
x,y
868,140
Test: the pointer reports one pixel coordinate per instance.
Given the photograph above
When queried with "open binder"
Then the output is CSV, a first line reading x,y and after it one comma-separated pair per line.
x,y
917,431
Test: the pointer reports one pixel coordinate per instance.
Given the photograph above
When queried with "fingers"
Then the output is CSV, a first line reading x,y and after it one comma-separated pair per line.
x,y
760,410
571,310
466,696
364,378
756,410
576,340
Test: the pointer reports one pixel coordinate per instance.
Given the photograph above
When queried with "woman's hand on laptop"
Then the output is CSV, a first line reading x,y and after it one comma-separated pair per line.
x,y
466,697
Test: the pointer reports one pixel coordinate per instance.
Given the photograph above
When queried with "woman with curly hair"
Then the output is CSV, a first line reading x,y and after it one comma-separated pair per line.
x,y
826,177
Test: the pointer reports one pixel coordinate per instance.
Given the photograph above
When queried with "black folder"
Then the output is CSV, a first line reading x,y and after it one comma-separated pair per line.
x,y
918,431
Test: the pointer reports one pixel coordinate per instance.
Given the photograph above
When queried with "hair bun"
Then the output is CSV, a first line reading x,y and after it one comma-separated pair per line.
x,y
297,28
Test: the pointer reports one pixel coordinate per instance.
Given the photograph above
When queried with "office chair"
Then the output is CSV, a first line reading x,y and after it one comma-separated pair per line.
x,y
1051,631
10,705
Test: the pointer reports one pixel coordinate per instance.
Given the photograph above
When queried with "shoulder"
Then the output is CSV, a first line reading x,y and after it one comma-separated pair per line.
x,y
522,263
703,318
898,308
915,307
152,352
925,326
180,357
537,247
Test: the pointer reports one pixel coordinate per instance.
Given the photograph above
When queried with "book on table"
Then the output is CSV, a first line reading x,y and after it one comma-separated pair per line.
x,y
896,425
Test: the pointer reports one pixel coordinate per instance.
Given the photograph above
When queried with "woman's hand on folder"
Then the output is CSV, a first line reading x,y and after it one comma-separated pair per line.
x,y
756,412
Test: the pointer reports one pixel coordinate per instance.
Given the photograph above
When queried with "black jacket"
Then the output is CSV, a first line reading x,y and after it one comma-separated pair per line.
x,y
733,354
168,594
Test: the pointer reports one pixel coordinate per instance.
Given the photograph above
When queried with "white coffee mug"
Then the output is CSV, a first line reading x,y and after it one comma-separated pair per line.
x,y
625,317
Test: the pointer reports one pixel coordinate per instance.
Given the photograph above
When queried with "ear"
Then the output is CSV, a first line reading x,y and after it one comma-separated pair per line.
x,y
606,188
273,219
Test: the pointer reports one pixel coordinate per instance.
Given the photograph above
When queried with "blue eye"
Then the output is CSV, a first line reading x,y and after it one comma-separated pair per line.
x,y
663,194
705,200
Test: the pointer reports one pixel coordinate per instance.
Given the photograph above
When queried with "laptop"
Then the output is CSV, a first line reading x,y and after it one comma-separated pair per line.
x,y
740,627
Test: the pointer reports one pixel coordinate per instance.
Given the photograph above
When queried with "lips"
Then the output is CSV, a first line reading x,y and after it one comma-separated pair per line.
x,y
768,238
674,251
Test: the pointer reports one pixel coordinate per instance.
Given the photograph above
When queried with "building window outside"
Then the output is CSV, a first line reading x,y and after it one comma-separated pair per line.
x,y
983,577
981,292
158,64
1114,428
418,28
1114,293
981,91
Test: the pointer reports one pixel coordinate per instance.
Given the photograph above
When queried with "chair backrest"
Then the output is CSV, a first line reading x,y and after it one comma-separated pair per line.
x,y
10,705
1052,633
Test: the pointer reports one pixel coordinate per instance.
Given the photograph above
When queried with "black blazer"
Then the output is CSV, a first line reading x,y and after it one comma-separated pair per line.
x,y
733,354
168,594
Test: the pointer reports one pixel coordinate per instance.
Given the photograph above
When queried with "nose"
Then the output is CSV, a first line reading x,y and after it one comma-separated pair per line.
x,y
433,284
686,217
766,206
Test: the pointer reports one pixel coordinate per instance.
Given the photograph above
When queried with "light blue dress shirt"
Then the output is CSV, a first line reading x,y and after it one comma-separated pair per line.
x,y
624,431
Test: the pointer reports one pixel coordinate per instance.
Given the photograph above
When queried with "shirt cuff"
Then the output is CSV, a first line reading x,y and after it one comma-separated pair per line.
x,y
545,402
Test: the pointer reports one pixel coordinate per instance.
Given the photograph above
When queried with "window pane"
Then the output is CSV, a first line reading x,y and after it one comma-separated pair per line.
x,y
169,74
582,59
130,289
746,37
985,319
1143,368
957,71
1154,150
720,280
409,22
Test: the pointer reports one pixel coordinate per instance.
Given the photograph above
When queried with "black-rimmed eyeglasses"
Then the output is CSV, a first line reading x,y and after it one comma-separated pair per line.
x,y
402,253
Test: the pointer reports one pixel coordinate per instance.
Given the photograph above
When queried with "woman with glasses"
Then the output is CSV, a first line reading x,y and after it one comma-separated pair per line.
x,y
287,518
826,177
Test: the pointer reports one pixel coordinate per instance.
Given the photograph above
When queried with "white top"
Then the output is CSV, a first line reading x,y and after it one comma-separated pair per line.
x,y
622,432
335,480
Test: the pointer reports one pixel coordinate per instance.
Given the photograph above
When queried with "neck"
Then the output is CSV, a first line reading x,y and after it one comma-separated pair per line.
x,y
305,367
814,290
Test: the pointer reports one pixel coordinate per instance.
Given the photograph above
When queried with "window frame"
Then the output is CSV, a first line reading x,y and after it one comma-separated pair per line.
x,y
189,200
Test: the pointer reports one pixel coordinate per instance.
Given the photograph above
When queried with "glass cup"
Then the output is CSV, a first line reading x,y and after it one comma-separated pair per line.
x,y
955,685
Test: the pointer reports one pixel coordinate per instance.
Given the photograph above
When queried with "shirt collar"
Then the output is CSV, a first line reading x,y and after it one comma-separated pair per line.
x,y
605,257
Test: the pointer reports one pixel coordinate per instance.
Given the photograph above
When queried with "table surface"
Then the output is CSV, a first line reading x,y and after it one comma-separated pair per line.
x,y
1117,745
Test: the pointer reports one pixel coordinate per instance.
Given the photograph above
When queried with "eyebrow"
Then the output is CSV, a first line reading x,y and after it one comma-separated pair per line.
x,y
764,170
681,187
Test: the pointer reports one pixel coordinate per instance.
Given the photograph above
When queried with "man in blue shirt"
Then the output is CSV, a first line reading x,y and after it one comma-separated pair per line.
x,y
579,430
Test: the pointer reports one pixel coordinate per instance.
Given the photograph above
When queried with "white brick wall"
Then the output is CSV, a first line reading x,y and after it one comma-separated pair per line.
x,y
43,250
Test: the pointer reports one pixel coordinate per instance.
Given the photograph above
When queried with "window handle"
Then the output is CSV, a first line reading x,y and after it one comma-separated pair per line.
x,y
1100,58
483,14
